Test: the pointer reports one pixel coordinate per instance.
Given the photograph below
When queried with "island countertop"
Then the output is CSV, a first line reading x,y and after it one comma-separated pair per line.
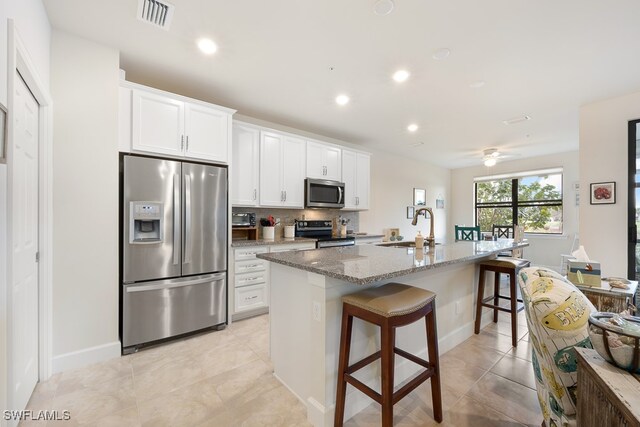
x,y
370,263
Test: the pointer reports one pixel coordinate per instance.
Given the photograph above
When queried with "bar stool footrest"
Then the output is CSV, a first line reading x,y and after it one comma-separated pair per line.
x,y
412,385
363,388
519,307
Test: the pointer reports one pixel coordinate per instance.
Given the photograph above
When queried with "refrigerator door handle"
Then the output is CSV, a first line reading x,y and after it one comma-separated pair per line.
x,y
187,219
176,283
176,218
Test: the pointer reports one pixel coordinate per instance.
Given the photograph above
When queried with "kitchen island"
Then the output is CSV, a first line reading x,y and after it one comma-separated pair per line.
x,y
305,310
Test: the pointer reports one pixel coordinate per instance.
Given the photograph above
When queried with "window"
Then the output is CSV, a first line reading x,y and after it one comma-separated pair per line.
x,y
531,199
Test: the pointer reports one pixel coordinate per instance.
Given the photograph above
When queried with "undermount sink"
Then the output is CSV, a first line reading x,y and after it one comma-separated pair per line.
x,y
407,244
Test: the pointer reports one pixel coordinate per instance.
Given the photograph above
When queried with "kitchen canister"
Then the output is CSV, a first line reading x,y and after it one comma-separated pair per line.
x,y
289,231
268,233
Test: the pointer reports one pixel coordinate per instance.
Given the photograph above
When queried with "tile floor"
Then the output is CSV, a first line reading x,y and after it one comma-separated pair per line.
x,y
225,379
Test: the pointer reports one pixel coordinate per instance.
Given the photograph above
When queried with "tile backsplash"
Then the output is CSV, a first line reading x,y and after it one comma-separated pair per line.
x,y
287,216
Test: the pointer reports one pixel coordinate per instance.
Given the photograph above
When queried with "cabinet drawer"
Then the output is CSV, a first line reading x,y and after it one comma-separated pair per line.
x,y
250,266
246,279
251,297
249,253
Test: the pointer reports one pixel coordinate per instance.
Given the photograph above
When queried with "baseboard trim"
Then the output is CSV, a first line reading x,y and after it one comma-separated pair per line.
x,y
86,356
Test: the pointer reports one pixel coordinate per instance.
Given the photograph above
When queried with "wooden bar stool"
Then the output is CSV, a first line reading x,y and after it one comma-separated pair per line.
x,y
389,306
510,266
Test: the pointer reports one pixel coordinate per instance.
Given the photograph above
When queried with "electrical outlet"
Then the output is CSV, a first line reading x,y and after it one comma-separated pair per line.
x,y
457,308
317,311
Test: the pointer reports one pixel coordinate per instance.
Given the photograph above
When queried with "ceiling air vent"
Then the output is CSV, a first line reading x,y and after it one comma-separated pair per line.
x,y
156,13
515,120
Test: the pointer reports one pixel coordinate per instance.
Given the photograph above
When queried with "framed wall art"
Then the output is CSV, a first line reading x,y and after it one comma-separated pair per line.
x,y
603,193
419,197
410,212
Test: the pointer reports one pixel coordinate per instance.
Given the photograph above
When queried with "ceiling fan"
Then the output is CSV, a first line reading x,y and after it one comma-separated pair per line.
x,y
490,156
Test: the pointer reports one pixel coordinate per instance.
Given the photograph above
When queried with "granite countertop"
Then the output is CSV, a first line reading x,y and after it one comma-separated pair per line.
x,y
277,241
370,263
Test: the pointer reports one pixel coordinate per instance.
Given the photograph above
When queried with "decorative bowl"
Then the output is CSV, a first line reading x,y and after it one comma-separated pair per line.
x,y
616,338
399,238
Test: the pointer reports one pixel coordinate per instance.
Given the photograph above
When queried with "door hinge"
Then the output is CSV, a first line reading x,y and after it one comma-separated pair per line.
x,y
37,256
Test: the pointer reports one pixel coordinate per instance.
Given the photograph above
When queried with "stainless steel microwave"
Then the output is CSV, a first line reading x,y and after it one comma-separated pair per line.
x,y
321,193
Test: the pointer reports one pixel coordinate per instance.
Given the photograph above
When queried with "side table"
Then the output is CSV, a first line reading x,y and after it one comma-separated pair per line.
x,y
607,396
606,298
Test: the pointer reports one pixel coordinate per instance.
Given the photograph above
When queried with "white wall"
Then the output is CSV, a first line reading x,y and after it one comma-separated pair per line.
x,y
603,157
543,250
84,86
32,24
30,19
393,179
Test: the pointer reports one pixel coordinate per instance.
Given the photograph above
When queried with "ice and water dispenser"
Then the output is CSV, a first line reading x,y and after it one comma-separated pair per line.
x,y
145,222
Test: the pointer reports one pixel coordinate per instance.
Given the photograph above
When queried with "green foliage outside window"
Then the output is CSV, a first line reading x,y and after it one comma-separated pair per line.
x,y
537,204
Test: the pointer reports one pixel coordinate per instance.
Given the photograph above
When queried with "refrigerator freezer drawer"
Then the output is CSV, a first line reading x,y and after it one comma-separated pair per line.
x,y
165,308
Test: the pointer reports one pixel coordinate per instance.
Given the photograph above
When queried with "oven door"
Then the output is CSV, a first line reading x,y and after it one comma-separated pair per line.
x,y
321,193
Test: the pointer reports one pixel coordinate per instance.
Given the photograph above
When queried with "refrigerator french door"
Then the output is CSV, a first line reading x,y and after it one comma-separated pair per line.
x,y
174,254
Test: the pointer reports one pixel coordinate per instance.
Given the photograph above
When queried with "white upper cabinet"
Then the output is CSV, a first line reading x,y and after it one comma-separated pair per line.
x,y
163,123
271,192
157,123
206,133
356,177
245,165
282,170
293,155
324,161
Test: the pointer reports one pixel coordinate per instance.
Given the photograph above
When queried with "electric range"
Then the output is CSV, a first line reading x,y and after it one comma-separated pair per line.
x,y
322,231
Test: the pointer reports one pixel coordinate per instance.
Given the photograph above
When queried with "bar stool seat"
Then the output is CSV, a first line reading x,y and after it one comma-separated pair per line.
x,y
389,306
502,265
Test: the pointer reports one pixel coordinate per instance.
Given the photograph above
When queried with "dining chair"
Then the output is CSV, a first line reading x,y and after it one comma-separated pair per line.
x,y
503,231
467,233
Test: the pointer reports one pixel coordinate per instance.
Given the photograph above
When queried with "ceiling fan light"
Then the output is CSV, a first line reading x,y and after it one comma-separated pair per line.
x,y
383,7
490,161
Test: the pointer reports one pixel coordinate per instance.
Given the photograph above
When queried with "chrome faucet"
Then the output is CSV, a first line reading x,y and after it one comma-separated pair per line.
x,y
431,239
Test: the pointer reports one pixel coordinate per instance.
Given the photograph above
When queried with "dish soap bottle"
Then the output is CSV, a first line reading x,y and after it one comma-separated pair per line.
x,y
419,241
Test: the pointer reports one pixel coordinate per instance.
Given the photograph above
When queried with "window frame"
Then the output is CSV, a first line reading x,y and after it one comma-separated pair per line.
x,y
515,204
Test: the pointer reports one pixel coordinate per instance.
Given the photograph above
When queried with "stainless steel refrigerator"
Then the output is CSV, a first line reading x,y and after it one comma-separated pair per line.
x,y
174,248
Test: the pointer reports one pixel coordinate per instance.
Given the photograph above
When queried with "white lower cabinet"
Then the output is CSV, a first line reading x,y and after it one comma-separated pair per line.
x,y
252,297
250,278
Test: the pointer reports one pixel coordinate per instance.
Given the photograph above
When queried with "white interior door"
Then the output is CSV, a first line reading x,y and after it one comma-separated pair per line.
x,y
23,337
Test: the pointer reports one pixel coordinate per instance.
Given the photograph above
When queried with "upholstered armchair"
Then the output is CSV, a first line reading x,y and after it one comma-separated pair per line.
x,y
557,317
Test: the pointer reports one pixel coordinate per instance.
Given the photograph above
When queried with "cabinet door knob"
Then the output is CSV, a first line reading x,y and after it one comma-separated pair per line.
x,y
255,194
182,143
187,147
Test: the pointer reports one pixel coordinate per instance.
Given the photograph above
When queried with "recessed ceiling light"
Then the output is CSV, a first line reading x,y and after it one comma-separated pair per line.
x,y
342,99
383,7
412,127
207,46
401,76
477,84
515,120
441,54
